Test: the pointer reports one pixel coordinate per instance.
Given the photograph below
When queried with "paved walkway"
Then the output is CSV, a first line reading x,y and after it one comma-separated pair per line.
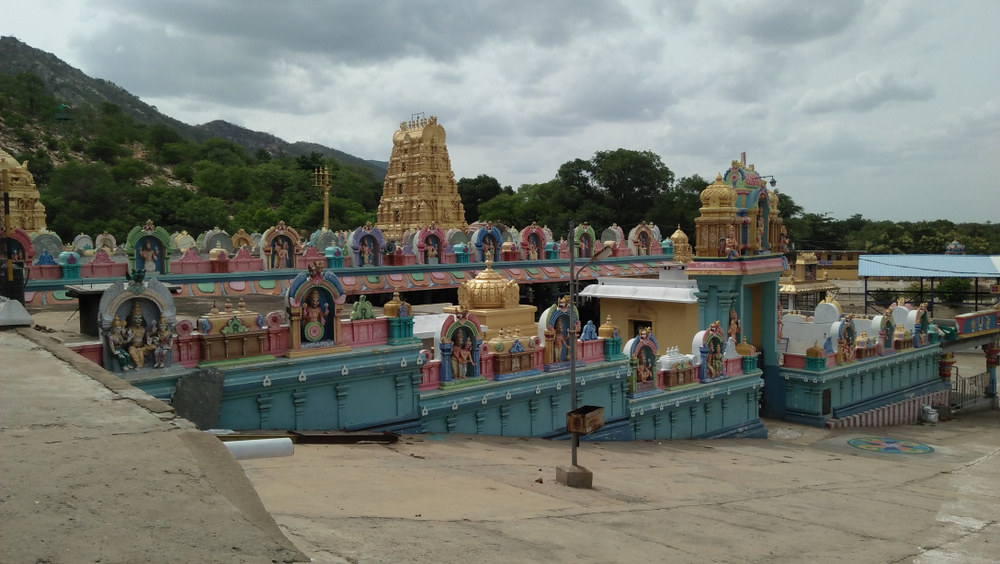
x,y
804,495
94,470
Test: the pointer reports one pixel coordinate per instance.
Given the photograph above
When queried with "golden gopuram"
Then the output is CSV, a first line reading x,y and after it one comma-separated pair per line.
x,y
419,186
26,211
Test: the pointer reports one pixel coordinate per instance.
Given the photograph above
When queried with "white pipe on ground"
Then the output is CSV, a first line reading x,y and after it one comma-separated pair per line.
x,y
261,448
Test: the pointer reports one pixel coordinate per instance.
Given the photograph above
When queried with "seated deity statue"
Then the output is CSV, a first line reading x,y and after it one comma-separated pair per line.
x,y
139,344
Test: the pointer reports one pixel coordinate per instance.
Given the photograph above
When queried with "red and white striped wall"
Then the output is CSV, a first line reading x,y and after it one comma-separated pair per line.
x,y
906,411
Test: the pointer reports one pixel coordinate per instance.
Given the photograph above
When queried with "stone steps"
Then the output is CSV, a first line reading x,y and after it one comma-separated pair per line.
x,y
906,411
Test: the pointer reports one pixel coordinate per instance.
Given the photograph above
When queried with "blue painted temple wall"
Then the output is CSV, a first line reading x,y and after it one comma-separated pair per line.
x,y
858,386
315,393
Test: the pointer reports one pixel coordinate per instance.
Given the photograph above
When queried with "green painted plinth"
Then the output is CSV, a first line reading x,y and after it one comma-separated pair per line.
x,y
236,361
463,383
403,341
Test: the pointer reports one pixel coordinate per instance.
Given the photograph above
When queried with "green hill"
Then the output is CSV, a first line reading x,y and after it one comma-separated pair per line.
x,y
105,160
75,88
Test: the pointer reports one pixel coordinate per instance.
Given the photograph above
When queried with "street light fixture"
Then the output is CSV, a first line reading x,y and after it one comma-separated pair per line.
x,y
563,475
773,181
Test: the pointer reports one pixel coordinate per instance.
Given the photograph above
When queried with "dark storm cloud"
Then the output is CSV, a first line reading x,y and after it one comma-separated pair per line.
x,y
229,51
362,32
865,92
781,22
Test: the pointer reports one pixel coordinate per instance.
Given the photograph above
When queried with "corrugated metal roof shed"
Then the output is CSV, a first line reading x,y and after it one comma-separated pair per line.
x,y
929,266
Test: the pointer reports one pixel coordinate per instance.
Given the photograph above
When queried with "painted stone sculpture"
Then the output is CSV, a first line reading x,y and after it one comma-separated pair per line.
x,y
148,248
460,348
136,321
642,352
315,300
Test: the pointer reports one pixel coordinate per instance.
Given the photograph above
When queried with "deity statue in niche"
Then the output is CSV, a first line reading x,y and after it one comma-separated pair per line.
x,y
732,245
367,250
644,370
150,254
281,252
644,245
138,343
784,239
534,243
735,328
561,339
847,338
462,360
164,342
432,249
584,245
489,247
119,344
714,367
314,316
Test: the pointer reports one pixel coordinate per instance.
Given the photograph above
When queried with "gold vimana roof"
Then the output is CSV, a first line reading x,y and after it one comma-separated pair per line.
x,y
489,290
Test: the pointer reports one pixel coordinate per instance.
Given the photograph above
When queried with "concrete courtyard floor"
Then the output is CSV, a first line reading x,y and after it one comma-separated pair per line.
x,y
804,495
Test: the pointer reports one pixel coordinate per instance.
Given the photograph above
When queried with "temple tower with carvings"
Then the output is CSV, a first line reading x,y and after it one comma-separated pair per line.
x,y
26,211
419,186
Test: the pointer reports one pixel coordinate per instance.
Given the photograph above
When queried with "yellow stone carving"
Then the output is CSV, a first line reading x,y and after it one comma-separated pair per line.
x,y
26,211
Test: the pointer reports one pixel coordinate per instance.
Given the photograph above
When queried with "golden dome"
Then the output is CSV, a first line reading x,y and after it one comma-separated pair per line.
x,y
718,194
489,290
607,331
391,307
815,351
679,237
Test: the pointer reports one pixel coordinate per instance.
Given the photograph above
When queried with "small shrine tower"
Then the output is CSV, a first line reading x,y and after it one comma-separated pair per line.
x,y
495,302
739,215
26,211
419,186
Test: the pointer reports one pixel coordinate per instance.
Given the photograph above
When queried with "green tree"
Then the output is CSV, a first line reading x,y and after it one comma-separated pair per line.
x,y
130,170
953,290
630,180
475,191
223,152
678,206
105,149
202,214
160,134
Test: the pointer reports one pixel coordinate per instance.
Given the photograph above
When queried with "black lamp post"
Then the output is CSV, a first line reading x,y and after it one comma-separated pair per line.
x,y
602,254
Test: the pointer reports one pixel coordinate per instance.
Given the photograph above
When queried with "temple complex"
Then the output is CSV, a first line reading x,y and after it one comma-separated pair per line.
x,y
419,186
26,211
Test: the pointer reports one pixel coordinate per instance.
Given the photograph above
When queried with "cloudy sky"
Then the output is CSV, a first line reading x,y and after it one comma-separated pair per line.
x,y
886,108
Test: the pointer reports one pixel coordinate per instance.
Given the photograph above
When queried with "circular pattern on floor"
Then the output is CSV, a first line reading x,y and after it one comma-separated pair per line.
x,y
890,446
